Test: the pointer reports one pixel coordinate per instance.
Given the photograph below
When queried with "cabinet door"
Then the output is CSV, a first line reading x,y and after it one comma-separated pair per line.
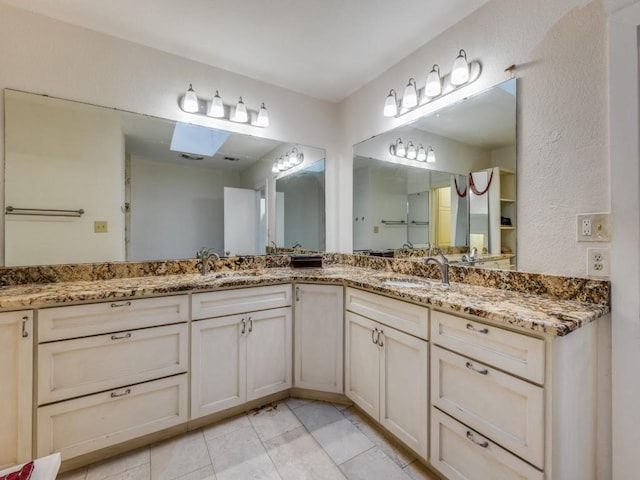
x,y
269,352
362,362
403,388
217,364
16,378
319,337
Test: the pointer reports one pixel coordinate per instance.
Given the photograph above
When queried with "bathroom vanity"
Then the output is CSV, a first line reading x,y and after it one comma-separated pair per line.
x,y
478,382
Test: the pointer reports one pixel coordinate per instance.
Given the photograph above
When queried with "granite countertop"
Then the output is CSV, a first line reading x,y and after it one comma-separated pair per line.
x,y
527,311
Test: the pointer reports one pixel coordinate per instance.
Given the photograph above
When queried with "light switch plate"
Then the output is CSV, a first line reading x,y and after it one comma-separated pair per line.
x,y
593,227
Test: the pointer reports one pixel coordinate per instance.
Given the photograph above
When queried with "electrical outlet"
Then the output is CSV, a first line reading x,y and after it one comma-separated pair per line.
x,y
593,227
100,226
598,262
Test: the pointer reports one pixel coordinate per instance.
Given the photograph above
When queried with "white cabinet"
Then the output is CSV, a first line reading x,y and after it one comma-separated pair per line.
x,y
319,337
386,370
239,357
16,378
110,372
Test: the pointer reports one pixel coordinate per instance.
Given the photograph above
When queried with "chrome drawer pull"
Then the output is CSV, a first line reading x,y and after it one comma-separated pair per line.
x,y
116,394
119,305
379,340
244,326
374,340
470,366
297,294
121,337
250,324
484,444
25,334
473,329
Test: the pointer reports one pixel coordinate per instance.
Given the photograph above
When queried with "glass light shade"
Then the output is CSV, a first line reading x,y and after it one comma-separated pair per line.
x,y
263,117
281,164
421,156
275,168
241,112
460,70
190,101
295,158
400,150
391,105
286,163
410,97
433,87
411,151
431,156
216,109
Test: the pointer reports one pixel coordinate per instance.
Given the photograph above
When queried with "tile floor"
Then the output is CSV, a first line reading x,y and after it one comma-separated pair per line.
x,y
293,439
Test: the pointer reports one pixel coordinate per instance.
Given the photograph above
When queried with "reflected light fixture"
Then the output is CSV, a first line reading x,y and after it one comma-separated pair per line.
x,y
431,155
460,70
288,160
433,87
295,157
216,109
241,112
411,151
263,117
391,104
421,156
397,148
410,97
190,101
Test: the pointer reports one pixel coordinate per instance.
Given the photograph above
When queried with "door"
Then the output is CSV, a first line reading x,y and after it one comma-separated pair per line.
x,y
362,357
241,221
16,378
269,352
319,337
443,227
217,364
404,388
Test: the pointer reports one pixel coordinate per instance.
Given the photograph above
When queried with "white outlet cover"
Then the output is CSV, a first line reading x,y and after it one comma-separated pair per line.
x,y
600,230
598,262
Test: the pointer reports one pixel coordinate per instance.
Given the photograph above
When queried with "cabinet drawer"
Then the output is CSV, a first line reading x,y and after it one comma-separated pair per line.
x,y
460,453
85,424
58,323
506,409
409,318
241,300
509,351
71,368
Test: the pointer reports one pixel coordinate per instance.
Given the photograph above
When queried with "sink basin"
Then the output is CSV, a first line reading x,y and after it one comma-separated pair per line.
x,y
406,284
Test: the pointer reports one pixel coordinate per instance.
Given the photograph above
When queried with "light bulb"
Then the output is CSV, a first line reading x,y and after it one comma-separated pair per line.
x,y
431,156
460,70
410,97
190,101
391,104
433,87
241,112
263,117
421,156
216,109
399,148
411,151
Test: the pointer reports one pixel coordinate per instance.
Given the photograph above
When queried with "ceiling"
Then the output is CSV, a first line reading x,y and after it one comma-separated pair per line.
x,y
326,49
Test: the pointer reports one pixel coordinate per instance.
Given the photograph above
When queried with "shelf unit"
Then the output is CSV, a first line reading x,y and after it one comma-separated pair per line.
x,y
502,203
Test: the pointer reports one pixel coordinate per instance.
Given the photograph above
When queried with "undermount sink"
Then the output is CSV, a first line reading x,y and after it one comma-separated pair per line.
x,y
406,284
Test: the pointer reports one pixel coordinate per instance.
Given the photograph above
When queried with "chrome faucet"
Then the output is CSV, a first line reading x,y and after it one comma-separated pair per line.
x,y
297,245
443,263
407,245
205,254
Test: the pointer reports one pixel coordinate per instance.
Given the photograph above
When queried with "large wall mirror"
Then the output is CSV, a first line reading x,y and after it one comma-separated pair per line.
x,y
91,184
457,192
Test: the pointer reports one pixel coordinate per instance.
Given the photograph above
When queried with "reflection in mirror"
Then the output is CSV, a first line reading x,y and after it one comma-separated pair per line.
x,y
300,212
465,199
150,189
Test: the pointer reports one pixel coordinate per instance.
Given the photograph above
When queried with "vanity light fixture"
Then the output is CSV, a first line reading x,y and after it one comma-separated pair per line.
x,y
431,155
411,151
216,108
421,155
263,116
295,157
289,160
397,149
391,104
190,101
433,87
460,70
410,97
240,115
436,86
